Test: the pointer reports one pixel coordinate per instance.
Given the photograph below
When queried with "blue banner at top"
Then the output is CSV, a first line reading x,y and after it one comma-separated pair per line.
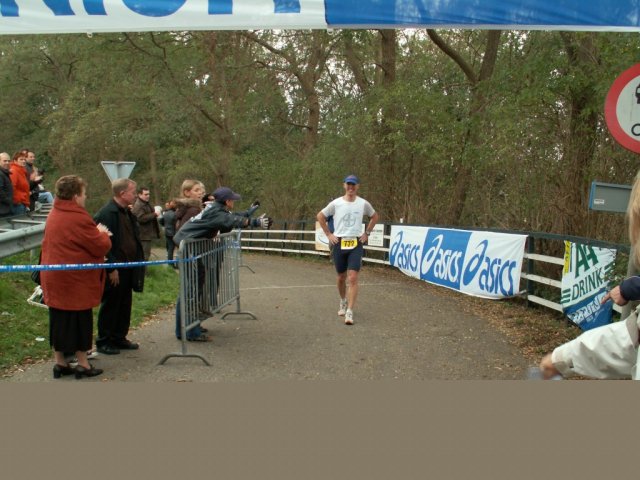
x,y
523,14
71,16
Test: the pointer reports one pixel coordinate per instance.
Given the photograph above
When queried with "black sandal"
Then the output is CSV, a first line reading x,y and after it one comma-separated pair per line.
x,y
87,372
60,370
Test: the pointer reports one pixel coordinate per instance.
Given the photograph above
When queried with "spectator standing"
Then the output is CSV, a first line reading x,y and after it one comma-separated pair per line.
x,y
6,187
147,219
20,182
187,207
72,236
190,204
348,244
114,316
216,218
168,221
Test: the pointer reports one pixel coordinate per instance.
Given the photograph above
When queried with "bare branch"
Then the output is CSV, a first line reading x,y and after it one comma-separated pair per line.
x,y
455,56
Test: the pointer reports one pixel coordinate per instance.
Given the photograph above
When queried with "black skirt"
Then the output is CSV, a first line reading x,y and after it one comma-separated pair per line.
x,y
70,330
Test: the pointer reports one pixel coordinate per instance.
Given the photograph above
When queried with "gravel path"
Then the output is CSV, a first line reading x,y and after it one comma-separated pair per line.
x,y
401,331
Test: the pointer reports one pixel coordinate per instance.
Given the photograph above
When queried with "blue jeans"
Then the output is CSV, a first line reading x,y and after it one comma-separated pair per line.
x,y
45,197
193,333
18,209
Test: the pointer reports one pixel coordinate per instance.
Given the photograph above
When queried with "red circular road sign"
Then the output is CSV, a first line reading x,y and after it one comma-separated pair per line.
x,y
622,109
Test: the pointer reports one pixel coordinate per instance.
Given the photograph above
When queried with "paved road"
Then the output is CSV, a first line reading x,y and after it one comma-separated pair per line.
x,y
401,331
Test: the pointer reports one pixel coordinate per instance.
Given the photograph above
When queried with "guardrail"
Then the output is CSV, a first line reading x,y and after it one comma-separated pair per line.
x,y
21,233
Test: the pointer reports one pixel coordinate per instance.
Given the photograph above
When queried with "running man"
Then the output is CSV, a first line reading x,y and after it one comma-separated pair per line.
x,y
348,244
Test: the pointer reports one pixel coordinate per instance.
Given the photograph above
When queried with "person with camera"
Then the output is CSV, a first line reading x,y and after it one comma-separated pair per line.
x,y
168,221
36,177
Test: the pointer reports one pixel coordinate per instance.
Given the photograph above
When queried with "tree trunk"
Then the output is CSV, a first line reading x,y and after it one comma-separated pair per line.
x,y
580,144
393,189
472,136
153,170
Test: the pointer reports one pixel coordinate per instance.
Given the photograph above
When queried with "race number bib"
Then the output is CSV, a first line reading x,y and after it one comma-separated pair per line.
x,y
348,243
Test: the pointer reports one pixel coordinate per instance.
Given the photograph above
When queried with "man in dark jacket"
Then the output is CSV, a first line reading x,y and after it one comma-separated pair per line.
x,y
147,219
216,218
114,316
6,187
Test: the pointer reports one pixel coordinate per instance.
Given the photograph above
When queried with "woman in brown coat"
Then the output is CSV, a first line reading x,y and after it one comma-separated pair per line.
x,y
72,237
190,204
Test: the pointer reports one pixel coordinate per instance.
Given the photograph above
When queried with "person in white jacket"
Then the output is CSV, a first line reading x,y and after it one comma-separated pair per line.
x,y
610,351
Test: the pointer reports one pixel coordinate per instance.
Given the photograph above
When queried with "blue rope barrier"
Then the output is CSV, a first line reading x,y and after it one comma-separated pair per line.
x,y
88,266
95,266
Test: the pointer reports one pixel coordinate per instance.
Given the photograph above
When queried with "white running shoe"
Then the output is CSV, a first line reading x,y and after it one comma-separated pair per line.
x,y
343,307
348,318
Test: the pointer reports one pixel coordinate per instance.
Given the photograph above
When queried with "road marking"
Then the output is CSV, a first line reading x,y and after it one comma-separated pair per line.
x,y
317,286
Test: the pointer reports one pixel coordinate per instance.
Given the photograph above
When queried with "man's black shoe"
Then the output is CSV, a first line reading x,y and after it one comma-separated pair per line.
x,y
108,349
127,345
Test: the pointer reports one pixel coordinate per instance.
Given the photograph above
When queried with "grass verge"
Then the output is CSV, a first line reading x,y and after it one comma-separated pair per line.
x,y
24,329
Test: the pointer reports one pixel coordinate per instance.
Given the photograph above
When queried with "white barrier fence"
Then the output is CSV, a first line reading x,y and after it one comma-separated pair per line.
x,y
301,240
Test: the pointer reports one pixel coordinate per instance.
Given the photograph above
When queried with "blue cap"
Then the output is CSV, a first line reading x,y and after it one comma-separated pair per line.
x,y
222,194
352,179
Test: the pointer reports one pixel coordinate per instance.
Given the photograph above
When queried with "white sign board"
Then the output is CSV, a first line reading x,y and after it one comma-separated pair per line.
x,y
115,170
322,242
622,109
376,239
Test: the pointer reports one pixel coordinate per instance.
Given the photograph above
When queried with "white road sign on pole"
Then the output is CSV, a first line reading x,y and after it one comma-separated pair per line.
x,y
116,170
622,109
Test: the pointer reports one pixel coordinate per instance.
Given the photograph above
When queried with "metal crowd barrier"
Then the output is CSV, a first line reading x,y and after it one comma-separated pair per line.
x,y
241,261
209,281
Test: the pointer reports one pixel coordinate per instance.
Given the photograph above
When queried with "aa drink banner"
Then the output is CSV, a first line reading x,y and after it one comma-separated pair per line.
x,y
83,16
483,264
584,284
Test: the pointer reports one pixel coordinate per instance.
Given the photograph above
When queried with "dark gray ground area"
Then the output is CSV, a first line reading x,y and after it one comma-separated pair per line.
x,y
401,331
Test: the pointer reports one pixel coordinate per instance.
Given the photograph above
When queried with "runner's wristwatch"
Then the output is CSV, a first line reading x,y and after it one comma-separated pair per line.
x,y
368,232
